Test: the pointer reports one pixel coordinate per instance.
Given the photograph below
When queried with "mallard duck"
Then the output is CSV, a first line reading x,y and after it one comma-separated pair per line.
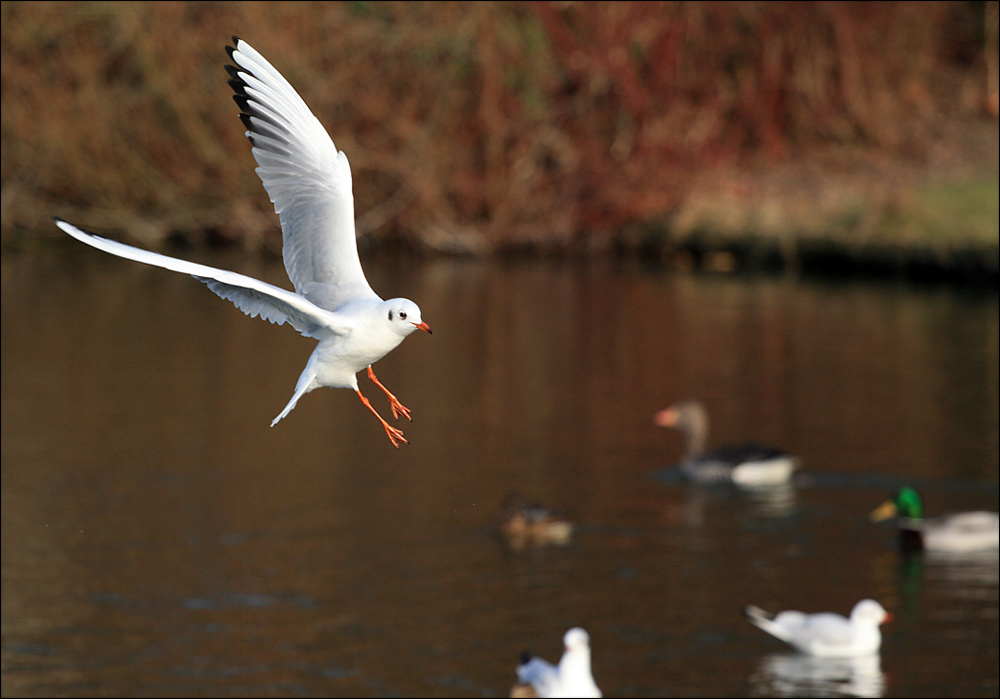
x,y
960,532
571,678
525,523
748,465
826,634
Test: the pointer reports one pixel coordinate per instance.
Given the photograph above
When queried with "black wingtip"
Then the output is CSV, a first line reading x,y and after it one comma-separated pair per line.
x,y
243,101
230,51
59,220
525,658
239,87
263,120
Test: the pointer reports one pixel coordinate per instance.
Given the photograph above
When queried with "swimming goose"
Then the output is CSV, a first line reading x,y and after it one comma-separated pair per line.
x,y
749,465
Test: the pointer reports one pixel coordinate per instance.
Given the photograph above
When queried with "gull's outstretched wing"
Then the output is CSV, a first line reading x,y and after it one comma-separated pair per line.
x,y
252,296
307,179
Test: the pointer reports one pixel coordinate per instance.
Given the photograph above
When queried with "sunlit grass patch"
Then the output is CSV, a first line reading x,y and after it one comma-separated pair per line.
x,y
949,213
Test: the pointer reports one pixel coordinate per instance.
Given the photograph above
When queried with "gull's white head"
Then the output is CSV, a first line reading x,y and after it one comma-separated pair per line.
x,y
404,316
576,638
870,612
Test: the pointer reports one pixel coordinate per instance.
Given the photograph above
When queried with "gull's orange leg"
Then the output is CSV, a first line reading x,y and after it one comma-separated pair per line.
x,y
397,407
393,433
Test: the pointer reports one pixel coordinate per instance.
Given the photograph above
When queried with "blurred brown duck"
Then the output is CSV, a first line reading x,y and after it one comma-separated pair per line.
x,y
526,524
750,465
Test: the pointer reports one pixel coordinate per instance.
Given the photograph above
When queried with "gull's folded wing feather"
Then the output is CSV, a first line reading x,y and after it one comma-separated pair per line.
x,y
540,674
307,179
828,628
250,295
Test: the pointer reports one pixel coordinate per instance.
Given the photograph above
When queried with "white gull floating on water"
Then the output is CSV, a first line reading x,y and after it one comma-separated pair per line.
x,y
571,678
309,182
826,634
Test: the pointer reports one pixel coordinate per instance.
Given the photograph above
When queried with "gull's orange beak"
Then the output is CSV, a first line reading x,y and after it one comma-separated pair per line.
x,y
888,618
425,327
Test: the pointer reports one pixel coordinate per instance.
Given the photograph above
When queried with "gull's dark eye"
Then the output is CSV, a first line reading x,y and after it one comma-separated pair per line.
x,y
402,315
390,315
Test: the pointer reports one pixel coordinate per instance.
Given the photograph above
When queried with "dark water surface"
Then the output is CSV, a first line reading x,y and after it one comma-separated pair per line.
x,y
160,539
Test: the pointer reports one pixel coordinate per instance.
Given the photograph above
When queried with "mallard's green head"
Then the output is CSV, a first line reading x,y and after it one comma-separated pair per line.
x,y
906,503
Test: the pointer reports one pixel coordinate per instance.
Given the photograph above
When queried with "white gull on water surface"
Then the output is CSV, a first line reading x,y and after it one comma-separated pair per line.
x,y
309,182
826,634
571,678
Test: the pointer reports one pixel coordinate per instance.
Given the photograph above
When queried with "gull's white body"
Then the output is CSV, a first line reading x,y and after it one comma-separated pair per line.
x,y
826,634
309,182
571,678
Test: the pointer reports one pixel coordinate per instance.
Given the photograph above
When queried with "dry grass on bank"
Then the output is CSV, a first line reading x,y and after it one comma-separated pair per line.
x,y
485,126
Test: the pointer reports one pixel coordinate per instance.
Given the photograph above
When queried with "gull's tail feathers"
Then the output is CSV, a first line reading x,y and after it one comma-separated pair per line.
x,y
765,621
307,382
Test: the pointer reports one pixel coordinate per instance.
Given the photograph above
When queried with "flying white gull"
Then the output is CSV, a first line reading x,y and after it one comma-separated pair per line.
x,y
309,182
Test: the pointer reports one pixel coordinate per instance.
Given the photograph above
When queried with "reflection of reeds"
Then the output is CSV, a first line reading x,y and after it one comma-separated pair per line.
x,y
467,126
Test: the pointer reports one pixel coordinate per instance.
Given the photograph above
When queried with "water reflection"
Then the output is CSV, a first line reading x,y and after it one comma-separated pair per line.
x,y
772,501
762,502
160,539
795,675
972,575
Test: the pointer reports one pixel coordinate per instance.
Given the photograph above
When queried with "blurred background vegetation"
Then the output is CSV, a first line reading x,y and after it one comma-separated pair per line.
x,y
553,127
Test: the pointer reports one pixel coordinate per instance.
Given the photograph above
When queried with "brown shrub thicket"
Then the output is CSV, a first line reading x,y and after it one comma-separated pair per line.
x,y
468,126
